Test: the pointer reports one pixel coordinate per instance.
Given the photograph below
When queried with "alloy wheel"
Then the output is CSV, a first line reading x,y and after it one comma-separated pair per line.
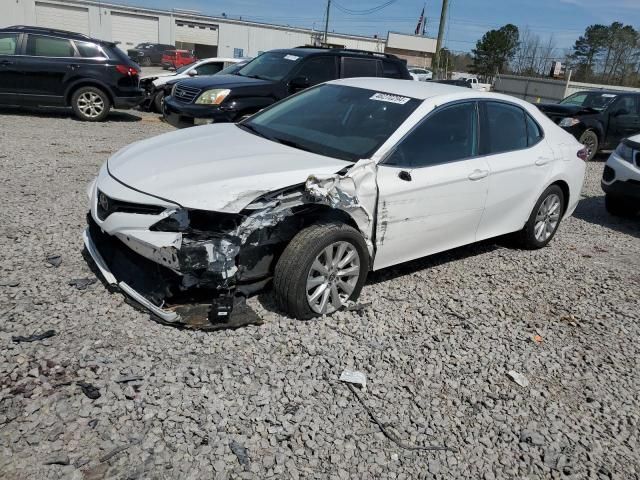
x,y
547,218
332,277
90,104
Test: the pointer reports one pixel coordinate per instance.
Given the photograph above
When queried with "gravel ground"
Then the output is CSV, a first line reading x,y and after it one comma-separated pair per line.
x,y
436,343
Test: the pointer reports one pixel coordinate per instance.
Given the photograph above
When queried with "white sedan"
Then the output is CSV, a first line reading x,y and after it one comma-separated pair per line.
x,y
153,84
420,74
314,192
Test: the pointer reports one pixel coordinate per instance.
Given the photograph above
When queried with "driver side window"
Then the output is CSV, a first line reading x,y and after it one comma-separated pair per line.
x,y
447,135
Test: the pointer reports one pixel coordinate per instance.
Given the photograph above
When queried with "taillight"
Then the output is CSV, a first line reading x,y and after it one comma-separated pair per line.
x,y
125,70
583,154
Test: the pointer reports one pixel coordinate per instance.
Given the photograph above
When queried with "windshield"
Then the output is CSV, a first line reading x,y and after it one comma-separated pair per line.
x,y
270,66
185,68
334,120
143,46
231,69
596,100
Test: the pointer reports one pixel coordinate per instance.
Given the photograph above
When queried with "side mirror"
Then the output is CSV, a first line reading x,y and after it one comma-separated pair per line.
x,y
193,72
621,111
299,83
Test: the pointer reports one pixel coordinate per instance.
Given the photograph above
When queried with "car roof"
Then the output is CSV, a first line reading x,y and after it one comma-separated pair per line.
x,y
610,92
419,90
223,59
307,51
54,32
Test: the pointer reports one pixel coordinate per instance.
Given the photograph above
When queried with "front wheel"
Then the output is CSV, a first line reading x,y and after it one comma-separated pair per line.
x,y
544,219
90,104
590,140
323,267
146,62
157,101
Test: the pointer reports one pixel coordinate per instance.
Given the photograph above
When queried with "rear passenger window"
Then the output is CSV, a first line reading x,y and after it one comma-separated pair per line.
x,y
8,42
209,68
318,70
360,67
534,134
89,50
392,70
504,128
41,46
445,136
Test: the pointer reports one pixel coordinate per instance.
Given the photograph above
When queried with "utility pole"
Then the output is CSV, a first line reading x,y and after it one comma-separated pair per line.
x,y
326,23
443,19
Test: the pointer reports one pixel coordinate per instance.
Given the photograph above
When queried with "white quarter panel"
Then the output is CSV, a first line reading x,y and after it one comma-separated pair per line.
x,y
437,210
516,181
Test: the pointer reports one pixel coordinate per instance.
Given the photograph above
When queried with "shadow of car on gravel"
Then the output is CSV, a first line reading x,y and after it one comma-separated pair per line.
x,y
592,210
64,112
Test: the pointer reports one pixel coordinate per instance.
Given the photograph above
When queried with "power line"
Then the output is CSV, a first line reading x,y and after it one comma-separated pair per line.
x,y
369,11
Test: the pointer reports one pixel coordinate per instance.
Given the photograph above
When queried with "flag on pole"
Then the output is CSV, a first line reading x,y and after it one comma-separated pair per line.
x,y
422,24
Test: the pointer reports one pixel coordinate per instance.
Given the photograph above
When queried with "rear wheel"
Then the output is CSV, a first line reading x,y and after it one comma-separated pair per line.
x,y
544,219
146,61
157,101
619,206
90,104
323,267
590,140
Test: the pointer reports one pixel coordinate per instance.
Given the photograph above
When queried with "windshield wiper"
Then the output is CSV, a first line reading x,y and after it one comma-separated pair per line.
x,y
290,143
252,129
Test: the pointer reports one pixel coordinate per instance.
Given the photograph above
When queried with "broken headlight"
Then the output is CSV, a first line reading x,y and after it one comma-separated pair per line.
x,y
185,220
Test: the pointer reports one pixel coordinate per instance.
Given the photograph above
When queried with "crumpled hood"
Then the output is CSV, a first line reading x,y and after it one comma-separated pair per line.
x,y
215,167
556,109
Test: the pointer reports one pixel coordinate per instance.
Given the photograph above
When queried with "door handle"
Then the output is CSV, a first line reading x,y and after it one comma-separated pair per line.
x,y
404,175
478,174
73,66
542,161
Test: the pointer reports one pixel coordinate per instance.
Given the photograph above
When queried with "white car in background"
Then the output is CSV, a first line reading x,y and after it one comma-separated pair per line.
x,y
153,84
420,74
621,178
315,191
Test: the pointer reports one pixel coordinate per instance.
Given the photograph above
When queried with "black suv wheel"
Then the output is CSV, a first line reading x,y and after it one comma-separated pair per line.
x,y
90,104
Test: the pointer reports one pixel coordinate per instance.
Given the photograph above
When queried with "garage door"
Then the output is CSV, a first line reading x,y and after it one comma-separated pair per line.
x,y
130,30
62,17
200,33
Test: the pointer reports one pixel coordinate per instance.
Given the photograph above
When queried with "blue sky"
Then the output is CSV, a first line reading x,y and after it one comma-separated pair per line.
x,y
468,19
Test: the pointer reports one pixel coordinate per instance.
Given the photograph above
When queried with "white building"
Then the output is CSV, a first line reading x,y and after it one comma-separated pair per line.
x,y
207,35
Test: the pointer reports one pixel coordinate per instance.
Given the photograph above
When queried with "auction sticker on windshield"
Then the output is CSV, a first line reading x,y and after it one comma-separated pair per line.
x,y
291,57
387,97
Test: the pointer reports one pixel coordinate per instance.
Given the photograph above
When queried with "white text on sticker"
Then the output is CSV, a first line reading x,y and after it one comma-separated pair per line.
x,y
386,97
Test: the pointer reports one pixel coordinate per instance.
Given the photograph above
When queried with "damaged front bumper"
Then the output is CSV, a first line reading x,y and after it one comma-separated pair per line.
x,y
165,315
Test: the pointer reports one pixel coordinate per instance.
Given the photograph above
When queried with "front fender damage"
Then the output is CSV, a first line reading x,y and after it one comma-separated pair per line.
x,y
221,260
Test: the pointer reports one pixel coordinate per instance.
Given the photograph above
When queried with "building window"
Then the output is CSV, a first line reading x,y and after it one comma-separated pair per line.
x,y
238,52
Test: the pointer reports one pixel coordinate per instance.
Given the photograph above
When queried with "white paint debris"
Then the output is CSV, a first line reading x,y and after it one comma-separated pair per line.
x,y
358,379
519,378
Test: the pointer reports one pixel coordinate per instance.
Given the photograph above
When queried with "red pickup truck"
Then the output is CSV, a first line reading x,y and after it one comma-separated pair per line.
x,y
177,58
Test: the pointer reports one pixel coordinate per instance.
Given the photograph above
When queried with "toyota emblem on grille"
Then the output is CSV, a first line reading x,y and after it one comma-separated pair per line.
x,y
103,200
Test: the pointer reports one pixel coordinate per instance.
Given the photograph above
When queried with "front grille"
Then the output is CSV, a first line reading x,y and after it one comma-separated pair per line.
x,y
608,174
108,205
186,94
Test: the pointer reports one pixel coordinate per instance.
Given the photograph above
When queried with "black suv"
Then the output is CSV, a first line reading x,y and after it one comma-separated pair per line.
x,y
599,119
44,67
147,54
268,78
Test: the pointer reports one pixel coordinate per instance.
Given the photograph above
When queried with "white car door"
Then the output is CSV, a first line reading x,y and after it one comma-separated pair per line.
x,y
520,160
432,187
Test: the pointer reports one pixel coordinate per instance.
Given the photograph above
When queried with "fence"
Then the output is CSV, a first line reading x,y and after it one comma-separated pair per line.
x,y
546,90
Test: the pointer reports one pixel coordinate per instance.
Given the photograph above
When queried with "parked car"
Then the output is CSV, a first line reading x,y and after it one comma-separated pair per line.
x,y
46,67
177,58
147,54
621,178
475,84
268,78
154,85
319,189
599,119
420,74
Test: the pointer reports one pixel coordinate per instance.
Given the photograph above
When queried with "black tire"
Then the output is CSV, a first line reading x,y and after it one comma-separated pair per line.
x,y
589,139
292,269
619,206
526,238
146,61
79,104
157,101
